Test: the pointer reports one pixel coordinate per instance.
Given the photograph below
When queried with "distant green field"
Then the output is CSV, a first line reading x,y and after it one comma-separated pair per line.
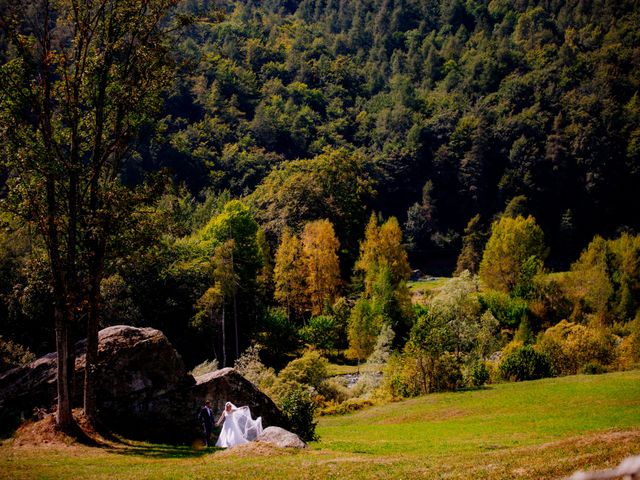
x,y
335,369
423,289
532,430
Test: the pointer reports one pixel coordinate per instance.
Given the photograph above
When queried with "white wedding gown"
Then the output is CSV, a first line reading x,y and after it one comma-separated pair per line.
x,y
238,427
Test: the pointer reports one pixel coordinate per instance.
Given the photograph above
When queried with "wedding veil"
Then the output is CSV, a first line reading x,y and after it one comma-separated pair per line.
x,y
242,423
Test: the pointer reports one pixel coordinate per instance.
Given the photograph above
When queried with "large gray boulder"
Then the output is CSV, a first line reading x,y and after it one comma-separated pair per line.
x,y
281,438
144,390
228,385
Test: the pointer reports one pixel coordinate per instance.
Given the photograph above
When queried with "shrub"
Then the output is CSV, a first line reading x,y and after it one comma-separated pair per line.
x,y
570,346
205,367
363,329
298,407
593,367
404,375
477,374
629,348
508,311
487,341
448,374
335,390
251,368
310,369
525,363
371,372
348,406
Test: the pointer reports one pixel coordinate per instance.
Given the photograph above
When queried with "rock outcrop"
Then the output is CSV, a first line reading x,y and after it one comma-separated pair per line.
x,y
144,389
281,438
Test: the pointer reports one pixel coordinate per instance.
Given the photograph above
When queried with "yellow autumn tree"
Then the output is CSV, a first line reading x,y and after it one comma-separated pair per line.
x,y
514,253
386,299
289,274
319,251
382,248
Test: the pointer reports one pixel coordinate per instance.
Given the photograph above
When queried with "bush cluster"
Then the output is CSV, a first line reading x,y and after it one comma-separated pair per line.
x,y
525,363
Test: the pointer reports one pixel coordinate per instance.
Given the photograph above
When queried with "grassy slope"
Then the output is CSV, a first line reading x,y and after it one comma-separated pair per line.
x,y
542,429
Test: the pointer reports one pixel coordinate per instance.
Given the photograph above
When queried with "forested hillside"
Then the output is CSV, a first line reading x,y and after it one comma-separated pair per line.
x,y
264,177
455,108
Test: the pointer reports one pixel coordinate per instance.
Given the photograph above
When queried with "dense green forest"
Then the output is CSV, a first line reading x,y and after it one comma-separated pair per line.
x,y
295,161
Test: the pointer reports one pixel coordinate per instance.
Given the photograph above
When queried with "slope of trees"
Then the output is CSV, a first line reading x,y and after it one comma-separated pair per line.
x,y
504,135
455,109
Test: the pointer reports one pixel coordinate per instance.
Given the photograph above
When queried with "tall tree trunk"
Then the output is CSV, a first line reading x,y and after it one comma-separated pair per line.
x,y
224,339
66,365
96,244
91,365
235,323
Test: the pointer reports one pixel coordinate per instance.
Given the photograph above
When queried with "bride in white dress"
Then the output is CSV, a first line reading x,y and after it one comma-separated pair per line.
x,y
238,427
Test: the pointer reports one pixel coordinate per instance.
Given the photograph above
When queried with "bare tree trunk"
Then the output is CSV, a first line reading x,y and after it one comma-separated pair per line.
x,y
66,365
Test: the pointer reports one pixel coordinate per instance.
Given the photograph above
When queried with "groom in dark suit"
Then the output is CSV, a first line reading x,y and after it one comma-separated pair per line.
x,y
206,419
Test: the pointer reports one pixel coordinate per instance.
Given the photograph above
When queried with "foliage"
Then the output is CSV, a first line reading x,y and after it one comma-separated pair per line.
x,y
278,336
526,363
309,370
549,300
606,278
487,339
363,329
382,249
571,346
332,185
507,310
386,300
592,367
298,407
320,332
404,374
458,307
478,374
13,355
289,274
118,305
226,250
251,367
205,367
473,244
629,348
322,270
513,254
348,406
371,372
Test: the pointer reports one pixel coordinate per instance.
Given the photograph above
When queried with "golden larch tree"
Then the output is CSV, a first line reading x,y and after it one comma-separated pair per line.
x,y
289,274
319,248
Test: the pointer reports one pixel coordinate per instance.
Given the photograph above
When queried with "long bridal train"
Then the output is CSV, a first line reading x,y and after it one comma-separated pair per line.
x,y
238,427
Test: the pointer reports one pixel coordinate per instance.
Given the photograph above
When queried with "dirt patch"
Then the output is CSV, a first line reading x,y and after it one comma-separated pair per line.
x,y
558,459
610,437
45,432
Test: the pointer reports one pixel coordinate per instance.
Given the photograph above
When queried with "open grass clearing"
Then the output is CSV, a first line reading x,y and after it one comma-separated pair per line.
x,y
531,430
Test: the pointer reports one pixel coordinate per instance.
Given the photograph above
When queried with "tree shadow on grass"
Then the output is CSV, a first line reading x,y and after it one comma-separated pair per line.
x,y
163,451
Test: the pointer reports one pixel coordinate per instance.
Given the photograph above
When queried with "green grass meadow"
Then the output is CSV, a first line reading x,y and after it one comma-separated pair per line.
x,y
542,429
